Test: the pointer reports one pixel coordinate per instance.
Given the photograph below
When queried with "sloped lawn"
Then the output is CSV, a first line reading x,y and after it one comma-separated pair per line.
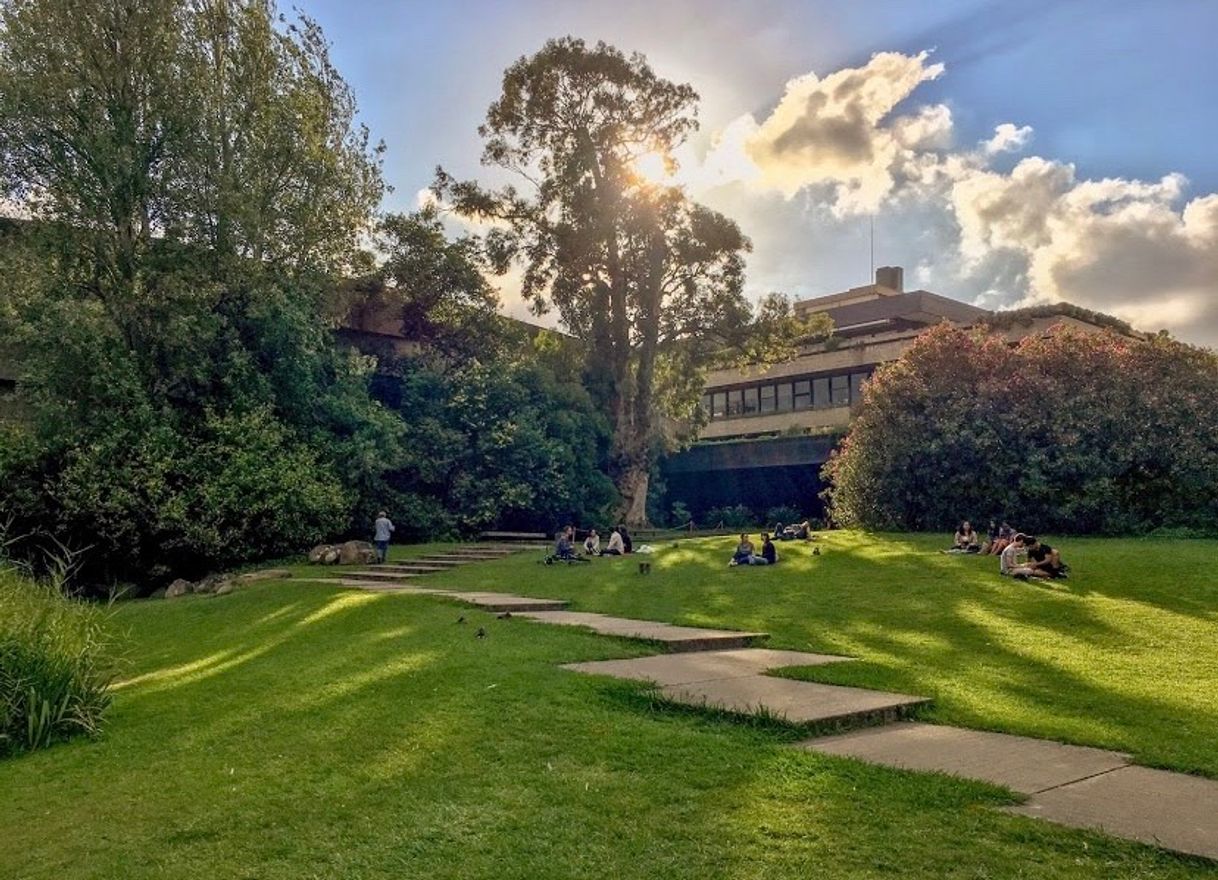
x,y
295,730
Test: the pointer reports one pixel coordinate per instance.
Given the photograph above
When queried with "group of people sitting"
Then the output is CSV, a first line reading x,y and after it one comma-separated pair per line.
x,y
620,544
1021,556
746,552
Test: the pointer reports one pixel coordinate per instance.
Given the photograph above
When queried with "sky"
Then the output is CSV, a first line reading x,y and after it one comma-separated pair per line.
x,y
1007,153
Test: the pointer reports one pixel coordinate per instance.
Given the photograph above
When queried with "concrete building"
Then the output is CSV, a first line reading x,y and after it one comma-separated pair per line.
x,y
769,430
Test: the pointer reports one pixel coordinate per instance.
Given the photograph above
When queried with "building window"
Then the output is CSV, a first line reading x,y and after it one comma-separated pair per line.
x,y
750,400
820,393
803,394
735,402
839,390
767,398
719,405
784,397
856,386
706,404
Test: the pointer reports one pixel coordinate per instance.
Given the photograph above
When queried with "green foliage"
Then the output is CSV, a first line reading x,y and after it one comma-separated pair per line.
x,y
650,282
736,516
196,179
506,444
1071,432
680,514
56,665
784,514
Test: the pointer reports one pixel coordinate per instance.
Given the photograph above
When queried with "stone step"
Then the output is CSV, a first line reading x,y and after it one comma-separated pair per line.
x,y
378,575
1077,786
1020,763
455,559
1172,810
797,702
673,638
699,666
426,560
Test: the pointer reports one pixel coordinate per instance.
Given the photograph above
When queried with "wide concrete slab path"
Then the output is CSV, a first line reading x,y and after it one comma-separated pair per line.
x,y
673,638
799,702
1171,810
1019,763
1077,786
665,669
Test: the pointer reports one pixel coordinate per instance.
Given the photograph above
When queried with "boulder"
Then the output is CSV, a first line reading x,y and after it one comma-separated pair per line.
x,y
225,588
330,557
180,587
265,574
356,553
158,594
211,583
318,553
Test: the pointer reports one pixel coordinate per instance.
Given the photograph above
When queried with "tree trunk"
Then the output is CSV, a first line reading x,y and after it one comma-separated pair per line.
x,y
632,484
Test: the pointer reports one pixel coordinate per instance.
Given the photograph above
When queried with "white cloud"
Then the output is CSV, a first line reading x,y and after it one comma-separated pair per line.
x,y
1007,139
837,147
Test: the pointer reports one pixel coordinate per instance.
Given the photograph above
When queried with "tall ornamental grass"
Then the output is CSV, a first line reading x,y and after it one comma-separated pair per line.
x,y
56,665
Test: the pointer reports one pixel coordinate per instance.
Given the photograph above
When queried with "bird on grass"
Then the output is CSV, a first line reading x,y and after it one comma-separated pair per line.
x,y
816,551
480,634
507,615
461,619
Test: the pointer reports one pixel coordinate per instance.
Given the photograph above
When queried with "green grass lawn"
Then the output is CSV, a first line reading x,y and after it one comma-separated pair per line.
x,y
295,730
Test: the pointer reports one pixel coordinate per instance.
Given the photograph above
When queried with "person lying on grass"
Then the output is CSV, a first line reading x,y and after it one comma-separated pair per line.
x,y
1043,558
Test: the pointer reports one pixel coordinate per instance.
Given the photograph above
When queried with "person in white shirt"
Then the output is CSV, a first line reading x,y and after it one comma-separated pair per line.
x,y
592,544
616,547
384,529
1010,561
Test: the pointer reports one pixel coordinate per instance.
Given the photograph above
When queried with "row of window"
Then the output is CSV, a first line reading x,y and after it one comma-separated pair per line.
x,y
821,392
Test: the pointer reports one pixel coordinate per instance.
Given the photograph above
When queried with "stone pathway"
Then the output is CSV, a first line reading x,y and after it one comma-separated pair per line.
x,y
1076,786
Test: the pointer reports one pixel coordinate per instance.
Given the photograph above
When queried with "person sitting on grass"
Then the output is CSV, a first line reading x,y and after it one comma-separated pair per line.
x,y
744,552
564,549
592,544
965,540
1014,562
769,553
1043,558
615,548
1003,536
627,542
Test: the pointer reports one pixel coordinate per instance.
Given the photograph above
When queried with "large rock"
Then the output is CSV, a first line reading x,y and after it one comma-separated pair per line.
x,y
211,583
266,574
225,588
318,554
180,587
356,553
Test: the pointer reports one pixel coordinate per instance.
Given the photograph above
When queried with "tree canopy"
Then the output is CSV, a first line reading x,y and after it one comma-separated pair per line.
x,y
650,282
1073,432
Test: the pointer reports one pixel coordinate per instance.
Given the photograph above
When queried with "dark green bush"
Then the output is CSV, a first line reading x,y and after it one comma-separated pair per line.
x,y
1074,433
737,516
784,514
56,666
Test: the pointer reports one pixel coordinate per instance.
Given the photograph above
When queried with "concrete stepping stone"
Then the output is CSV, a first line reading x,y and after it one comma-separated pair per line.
x,y
1172,810
385,574
799,702
690,667
674,638
1020,763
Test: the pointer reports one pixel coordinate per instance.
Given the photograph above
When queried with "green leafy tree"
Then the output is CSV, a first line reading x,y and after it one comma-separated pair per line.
x,y
649,281
1072,432
196,180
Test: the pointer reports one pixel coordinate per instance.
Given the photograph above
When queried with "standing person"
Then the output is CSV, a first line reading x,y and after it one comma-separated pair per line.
x,y
616,547
592,544
384,529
